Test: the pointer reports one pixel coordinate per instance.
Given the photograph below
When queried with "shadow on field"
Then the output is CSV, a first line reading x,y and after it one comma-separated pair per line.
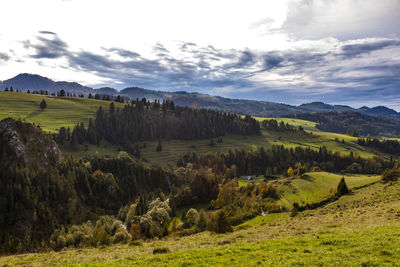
x,y
307,178
34,114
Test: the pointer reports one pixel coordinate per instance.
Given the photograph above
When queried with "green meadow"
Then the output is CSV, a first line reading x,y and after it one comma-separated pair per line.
x,y
60,111
316,186
174,149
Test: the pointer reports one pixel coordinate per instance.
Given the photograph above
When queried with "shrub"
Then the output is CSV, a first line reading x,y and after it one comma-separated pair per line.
x,y
60,243
161,250
201,220
222,224
391,175
135,231
315,169
295,209
105,239
190,217
135,243
155,230
121,236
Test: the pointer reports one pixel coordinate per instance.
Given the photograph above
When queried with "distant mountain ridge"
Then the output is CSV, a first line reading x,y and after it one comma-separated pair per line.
x,y
25,81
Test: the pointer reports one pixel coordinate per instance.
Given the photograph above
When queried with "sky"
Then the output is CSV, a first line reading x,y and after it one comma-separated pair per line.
x,y
289,51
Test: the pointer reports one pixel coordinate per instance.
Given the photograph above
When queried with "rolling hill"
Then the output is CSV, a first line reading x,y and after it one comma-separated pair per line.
x,y
68,111
32,82
60,111
359,229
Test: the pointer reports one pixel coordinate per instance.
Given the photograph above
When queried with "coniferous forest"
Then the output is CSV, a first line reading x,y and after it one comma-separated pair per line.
x,y
144,120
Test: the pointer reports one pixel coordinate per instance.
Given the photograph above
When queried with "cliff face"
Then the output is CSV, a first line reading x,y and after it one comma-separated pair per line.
x,y
25,142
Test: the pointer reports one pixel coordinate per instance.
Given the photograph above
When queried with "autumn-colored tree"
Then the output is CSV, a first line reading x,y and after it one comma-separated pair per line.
x,y
135,231
290,172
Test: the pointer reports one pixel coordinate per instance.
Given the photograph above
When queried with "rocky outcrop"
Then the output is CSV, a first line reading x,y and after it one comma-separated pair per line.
x,y
28,143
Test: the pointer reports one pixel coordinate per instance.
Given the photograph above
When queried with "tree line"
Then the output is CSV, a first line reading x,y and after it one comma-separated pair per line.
x,y
278,159
387,146
143,120
352,123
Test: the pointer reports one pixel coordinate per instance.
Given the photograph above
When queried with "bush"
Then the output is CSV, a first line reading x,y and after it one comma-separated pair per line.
x,y
190,217
60,243
121,236
222,224
201,220
135,243
135,231
105,239
391,175
295,210
315,169
161,250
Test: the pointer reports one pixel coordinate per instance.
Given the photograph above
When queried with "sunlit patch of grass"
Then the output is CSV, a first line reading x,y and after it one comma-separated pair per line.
x,y
60,111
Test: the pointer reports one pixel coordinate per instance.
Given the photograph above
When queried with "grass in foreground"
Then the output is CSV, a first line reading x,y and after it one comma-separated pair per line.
x,y
360,229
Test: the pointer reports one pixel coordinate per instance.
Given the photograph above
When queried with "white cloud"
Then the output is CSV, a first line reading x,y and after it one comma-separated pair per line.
x,y
343,19
215,46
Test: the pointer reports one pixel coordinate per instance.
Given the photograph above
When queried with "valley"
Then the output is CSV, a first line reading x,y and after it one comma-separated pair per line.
x,y
277,188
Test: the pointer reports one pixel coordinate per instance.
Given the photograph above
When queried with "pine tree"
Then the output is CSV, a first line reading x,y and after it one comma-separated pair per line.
x,y
75,141
342,188
43,104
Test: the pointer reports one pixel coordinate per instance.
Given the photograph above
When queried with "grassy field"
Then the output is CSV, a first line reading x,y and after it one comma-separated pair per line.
x,y
174,149
60,111
69,111
307,125
316,186
312,187
359,229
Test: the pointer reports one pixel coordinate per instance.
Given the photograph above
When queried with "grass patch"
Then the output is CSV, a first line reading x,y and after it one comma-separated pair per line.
x,y
316,186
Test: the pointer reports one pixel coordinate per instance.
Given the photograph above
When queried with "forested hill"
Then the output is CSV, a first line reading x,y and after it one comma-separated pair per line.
x,y
41,191
352,123
24,82
143,120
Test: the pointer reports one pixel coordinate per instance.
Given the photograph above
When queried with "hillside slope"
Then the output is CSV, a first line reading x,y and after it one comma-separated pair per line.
x,y
361,228
68,111
60,111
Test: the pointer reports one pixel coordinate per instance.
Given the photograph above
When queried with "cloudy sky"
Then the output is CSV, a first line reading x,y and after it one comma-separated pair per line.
x,y
293,51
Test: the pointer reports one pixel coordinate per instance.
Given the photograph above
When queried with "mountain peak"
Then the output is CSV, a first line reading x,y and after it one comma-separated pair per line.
x,y
28,81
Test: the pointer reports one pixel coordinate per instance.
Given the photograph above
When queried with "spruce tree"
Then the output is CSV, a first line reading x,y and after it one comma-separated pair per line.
x,y
342,188
43,104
